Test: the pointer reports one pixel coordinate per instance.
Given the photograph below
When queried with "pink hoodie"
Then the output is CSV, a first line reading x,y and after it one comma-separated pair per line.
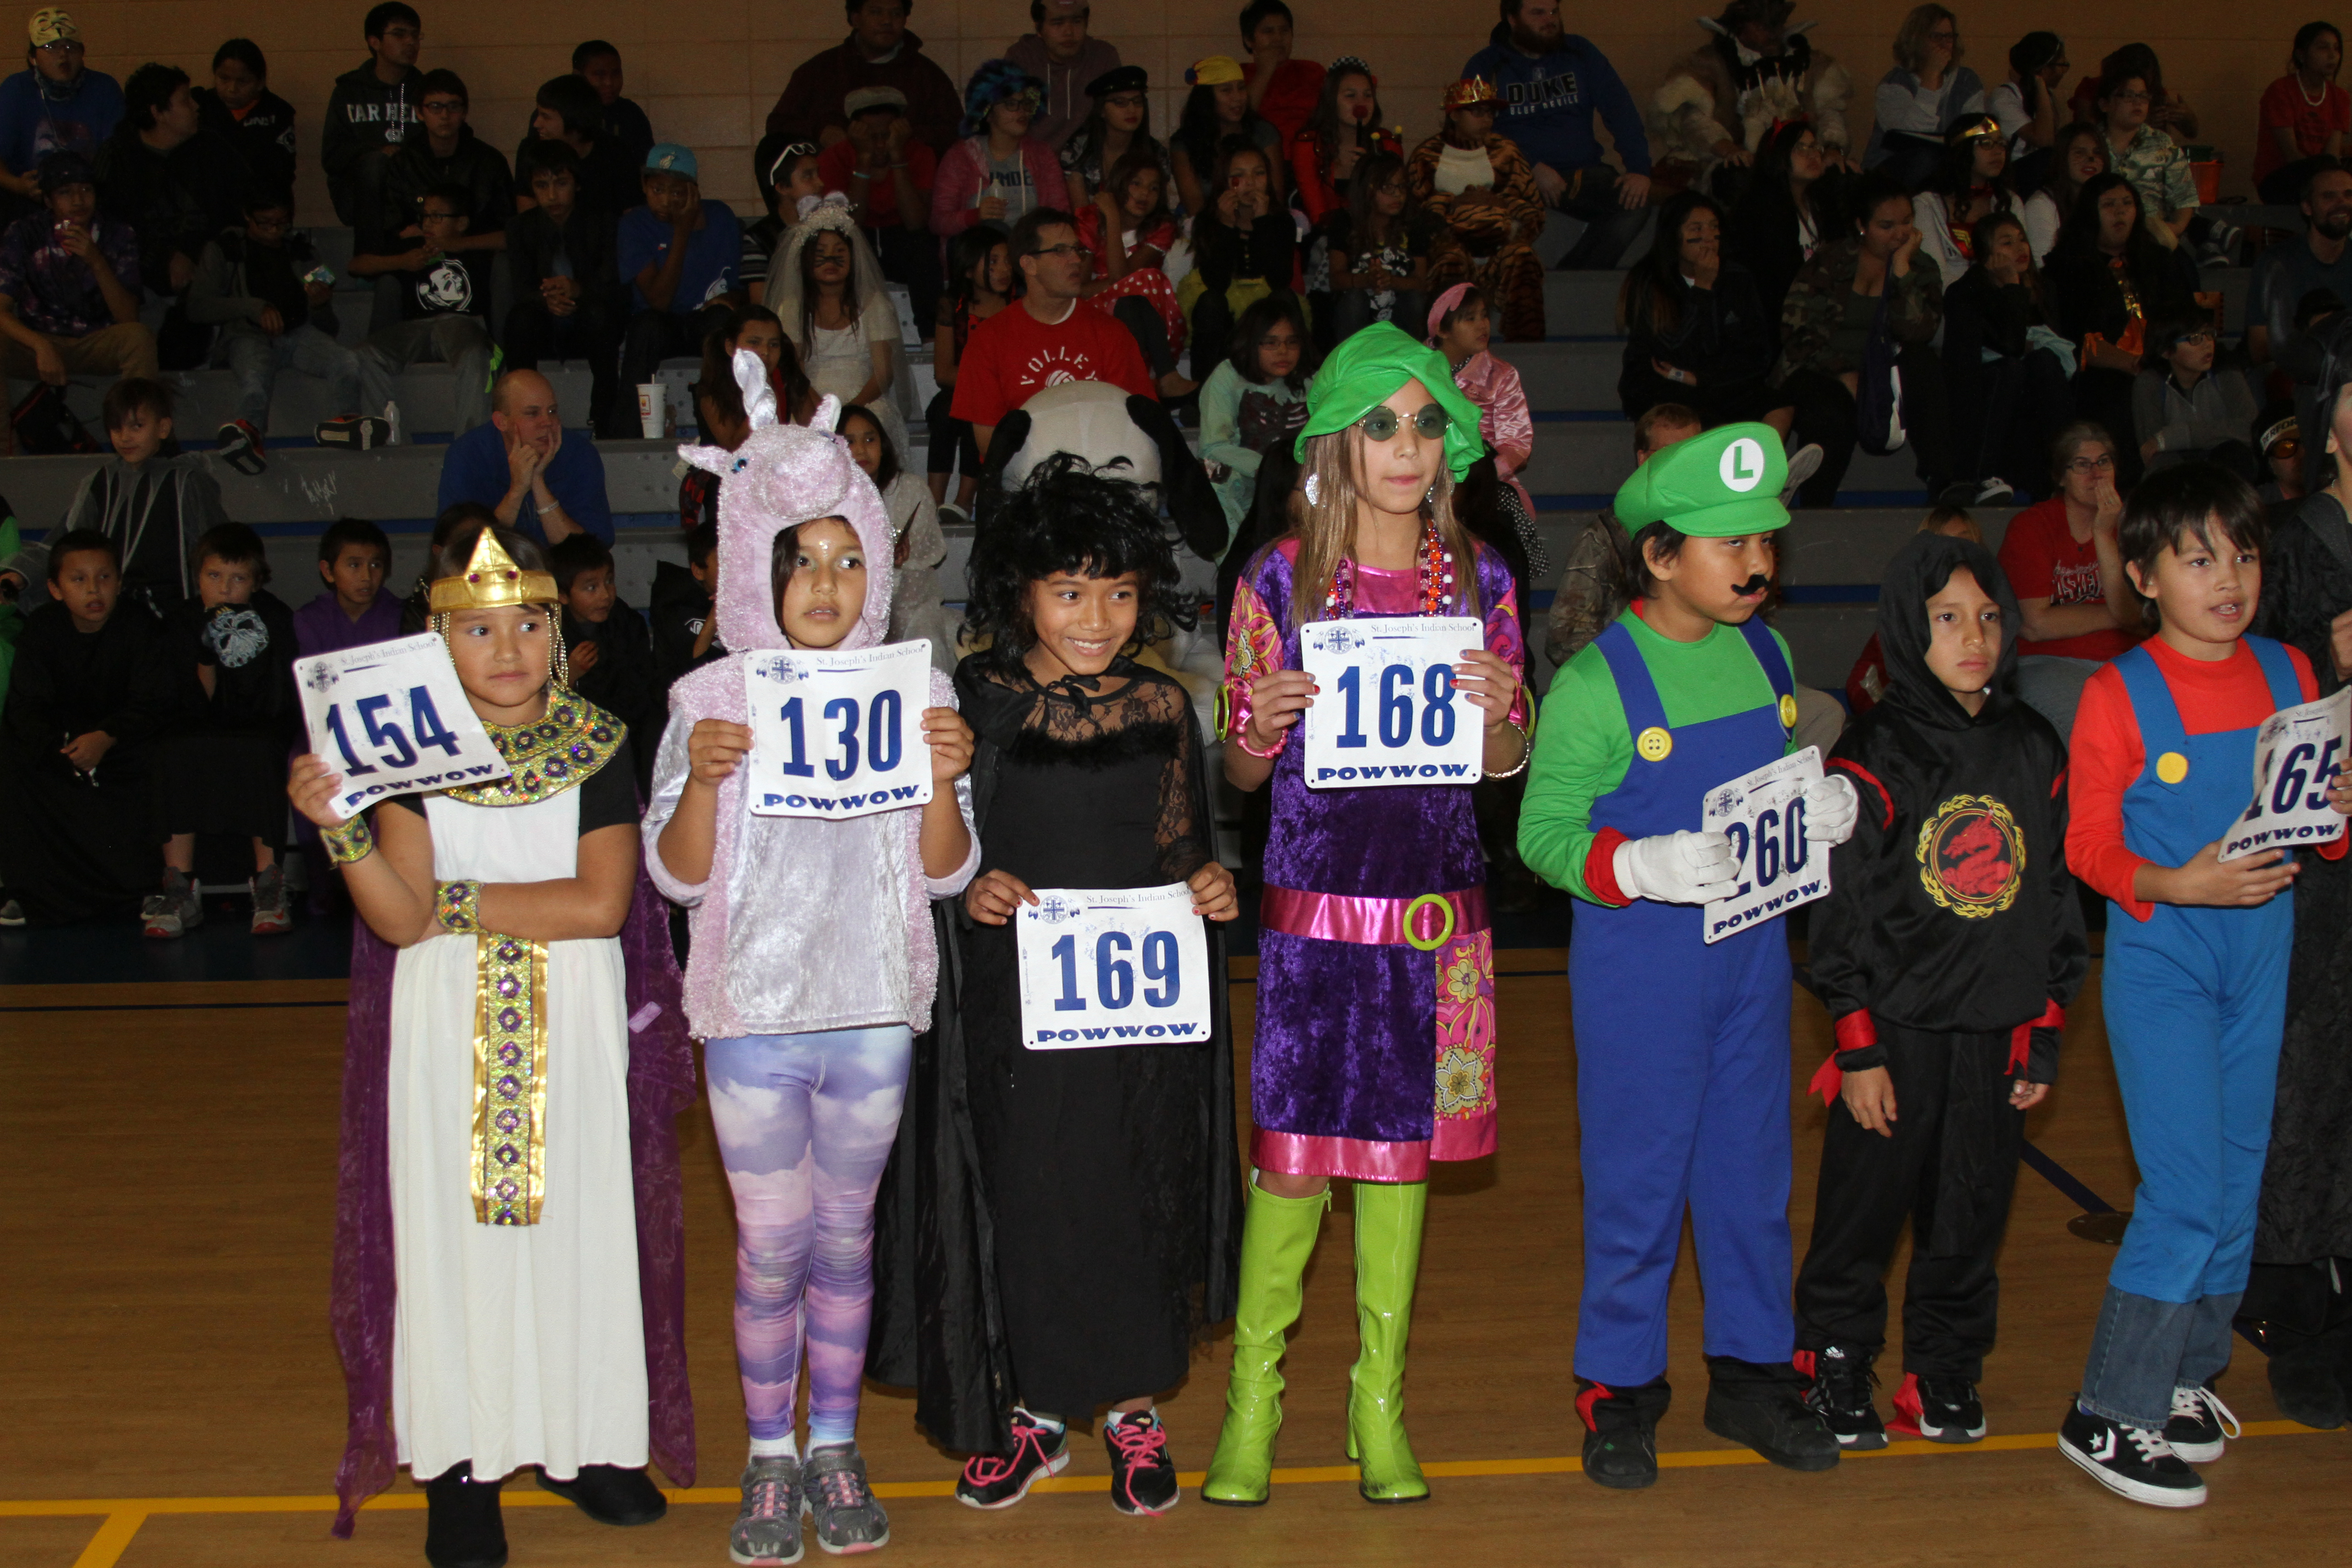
x,y
785,475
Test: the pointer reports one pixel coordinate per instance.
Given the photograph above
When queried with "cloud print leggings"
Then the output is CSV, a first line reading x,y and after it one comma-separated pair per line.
x,y
805,1124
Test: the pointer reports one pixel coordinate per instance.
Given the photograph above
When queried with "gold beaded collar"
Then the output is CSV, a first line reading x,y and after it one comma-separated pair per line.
x,y
566,747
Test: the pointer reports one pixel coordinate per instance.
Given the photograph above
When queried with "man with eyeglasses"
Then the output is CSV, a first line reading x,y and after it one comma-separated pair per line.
x,y
1063,56
2063,562
2156,166
55,105
1045,338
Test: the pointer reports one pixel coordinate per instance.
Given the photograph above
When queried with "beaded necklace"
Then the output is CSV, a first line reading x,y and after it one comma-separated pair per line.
x,y
1435,563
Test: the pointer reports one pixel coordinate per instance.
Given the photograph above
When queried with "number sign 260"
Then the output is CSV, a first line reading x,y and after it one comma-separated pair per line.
x,y
1779,845
1396,715
1115,973
881,728
392,747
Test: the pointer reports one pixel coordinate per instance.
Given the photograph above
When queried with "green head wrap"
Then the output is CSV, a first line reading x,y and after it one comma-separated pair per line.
x,y
1364,371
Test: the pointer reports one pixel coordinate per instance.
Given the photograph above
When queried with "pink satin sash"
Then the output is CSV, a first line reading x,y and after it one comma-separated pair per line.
x,y
1376,922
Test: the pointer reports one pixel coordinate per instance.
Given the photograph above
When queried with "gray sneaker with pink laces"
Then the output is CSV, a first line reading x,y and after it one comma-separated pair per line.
x,y
767,1532
839,1503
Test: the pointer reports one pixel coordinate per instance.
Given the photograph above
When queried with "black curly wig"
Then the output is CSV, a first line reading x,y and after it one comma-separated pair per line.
x,y
1067,518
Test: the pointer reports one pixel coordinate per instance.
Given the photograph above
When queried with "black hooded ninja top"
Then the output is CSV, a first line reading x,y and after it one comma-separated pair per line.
x,y
1950,909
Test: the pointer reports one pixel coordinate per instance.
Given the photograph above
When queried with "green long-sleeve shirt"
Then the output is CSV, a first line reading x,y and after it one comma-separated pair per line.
x,y
1584,743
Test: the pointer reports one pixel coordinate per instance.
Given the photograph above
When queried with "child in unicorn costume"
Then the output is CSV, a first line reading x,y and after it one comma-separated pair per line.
x,y
814,962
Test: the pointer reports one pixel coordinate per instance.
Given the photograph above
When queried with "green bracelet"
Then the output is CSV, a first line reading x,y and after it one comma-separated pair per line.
x,y
348,842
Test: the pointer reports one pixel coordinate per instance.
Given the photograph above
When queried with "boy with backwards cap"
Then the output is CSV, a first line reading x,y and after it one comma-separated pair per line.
x,y
1683,1080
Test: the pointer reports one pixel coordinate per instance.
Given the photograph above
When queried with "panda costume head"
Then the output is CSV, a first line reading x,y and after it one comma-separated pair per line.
x,y
1122,436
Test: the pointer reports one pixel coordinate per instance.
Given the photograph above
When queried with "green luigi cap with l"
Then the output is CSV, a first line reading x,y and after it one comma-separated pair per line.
x,y
1366,370
1717,485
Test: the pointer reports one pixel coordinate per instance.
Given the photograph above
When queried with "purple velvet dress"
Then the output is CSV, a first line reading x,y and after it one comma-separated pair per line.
x,y
1373,1055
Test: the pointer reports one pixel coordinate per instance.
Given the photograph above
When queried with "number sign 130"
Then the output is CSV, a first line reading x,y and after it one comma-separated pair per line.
x,y
838,733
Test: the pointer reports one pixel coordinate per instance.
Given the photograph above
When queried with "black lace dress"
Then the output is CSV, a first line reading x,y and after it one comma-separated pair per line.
x,y
1059,1227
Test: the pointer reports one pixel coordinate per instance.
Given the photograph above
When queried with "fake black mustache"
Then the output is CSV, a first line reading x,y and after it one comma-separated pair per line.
x,y
1755,585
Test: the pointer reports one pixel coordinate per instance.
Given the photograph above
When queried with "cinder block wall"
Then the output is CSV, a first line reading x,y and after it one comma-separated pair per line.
x,y
707,72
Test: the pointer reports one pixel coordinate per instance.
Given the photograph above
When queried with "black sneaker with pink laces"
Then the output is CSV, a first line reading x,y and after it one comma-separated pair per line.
x,y
1142,1476
1000,1480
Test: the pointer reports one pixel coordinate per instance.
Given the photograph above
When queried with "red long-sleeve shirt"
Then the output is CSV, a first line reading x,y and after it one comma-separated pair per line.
x,y
2106,755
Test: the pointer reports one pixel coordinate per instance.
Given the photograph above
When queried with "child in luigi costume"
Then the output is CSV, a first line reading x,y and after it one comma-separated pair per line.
x,y
1374,1045
1683,1057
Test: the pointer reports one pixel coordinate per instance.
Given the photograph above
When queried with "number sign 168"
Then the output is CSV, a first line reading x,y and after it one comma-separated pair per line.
x,y
1396,706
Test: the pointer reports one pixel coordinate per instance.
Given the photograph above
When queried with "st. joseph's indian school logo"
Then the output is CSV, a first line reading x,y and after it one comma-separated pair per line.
x,y
1971,855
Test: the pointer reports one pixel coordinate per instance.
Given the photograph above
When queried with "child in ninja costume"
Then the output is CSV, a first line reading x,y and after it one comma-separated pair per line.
x,y
508,1288
1375,1043
1946,950
1683,1065
2195,977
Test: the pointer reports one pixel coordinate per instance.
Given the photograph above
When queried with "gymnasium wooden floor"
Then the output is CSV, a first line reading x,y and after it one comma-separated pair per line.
x,y
170,1396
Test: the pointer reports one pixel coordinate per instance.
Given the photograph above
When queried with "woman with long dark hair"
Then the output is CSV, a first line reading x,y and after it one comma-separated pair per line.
x,y
1789,208
1245,245
1695,330
1117,128
1378,251
2078,154
1969,184
2004,365
2027,105
2109,279
1217,109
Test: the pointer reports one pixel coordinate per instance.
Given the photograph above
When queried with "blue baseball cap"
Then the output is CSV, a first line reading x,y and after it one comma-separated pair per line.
x,y
669,158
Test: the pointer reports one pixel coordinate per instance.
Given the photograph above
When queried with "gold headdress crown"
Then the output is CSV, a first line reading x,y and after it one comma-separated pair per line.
x,y
1470,93
491,579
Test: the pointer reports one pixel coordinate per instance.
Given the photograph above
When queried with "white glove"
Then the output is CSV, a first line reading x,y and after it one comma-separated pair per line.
x,y
1830,806
1676,868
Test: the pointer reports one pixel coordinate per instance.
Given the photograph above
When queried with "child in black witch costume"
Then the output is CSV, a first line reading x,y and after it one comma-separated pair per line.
x,y
1102,1233
1947,950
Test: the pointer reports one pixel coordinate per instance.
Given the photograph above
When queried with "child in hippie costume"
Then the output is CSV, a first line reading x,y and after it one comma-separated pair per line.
x,y
1683,1084
812,964
1375,1037
507,1285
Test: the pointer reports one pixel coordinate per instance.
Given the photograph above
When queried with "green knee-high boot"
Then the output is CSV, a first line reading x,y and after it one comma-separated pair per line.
x,y
1389,1219
1277,1235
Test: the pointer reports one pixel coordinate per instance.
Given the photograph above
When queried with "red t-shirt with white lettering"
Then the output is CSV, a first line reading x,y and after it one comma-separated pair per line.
x,y
2042,560
1012,356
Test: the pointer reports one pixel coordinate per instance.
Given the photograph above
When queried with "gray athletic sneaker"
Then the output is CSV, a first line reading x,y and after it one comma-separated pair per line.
x,y
174,911
767,1531
835,1493
273,912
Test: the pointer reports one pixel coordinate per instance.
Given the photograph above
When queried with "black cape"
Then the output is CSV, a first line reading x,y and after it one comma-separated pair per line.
x,y
938,1322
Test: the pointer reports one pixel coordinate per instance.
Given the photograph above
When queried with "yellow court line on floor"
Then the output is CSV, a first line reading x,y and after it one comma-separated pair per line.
x,y
123,1516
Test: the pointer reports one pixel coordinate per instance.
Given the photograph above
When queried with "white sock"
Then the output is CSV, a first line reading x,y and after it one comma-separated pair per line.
x,y
1149,1413
1051,1423
775,1448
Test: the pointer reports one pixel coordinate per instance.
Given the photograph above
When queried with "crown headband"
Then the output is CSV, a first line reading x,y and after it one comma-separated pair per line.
x,y
491,581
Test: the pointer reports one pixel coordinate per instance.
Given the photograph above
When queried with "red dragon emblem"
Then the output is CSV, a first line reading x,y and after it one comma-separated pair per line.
x,y
1970,856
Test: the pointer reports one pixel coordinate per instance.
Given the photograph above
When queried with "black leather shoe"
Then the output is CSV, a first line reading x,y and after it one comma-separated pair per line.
x,y
1776,1422
609,1494
1620,1437
462,1528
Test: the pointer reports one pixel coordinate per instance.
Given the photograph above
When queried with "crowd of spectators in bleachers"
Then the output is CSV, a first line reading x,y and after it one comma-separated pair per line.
x,y
1991,268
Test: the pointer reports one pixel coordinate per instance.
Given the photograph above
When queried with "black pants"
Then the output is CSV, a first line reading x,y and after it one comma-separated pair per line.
x,y
654,336
952,440
592,333
2106,396
1950,1170
1826,418
1609,227
1715,403
2004,416
1151,333
912,257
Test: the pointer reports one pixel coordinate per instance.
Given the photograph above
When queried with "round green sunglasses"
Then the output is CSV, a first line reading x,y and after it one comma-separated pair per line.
x,y
1382,423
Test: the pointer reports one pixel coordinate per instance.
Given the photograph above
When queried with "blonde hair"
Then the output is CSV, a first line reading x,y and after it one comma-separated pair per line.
x,y
1325,526
1940,518
1911,39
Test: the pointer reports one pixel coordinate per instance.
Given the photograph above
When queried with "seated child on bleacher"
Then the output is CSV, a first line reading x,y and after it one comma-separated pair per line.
x,y
354,561
152,507
612,656
224,767
262,285
684,621
91,690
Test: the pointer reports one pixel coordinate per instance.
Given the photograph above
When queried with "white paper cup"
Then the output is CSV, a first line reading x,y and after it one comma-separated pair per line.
x,y
652,398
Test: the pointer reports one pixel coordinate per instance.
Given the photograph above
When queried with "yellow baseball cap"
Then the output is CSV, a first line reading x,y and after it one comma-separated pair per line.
x,y
51,25
1214,71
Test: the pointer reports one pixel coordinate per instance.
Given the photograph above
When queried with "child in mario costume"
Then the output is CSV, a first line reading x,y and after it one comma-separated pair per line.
x,y
1683,1057
1947,949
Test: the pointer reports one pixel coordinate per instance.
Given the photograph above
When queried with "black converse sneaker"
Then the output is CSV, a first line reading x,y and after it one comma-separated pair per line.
x,y
2130,1461
2199,1422
1142,1476
992,1481
1941,1409
1840,1396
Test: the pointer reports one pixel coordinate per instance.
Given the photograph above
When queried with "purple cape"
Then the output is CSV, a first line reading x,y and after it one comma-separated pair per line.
x,y
661,1084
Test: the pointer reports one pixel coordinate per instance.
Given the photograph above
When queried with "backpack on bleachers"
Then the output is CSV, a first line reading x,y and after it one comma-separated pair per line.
x,y
45,427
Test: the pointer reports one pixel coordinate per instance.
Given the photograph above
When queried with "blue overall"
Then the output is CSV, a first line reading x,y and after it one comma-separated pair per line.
x,y
2195,1000
1682,1065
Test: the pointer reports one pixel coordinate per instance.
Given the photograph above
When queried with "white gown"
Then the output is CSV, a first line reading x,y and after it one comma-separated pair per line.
x,y
513,1344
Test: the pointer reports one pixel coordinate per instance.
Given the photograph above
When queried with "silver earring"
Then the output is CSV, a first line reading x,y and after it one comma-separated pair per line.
x,y
1314,489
